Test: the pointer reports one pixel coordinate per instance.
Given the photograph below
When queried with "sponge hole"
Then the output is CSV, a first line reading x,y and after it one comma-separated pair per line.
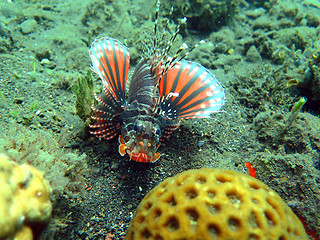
x,y
146,234
276,207
253,236
192,214
140,219
214,208
254,220
148,205
271,218
163,184
253,185
234,197
223,179
172,224
211,193
158,237
193,217
159,193
214,230
171,200
201,179
191,193
157,213
180,180
234,223
283,237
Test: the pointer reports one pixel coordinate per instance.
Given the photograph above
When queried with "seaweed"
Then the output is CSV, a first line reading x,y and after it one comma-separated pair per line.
x,y
84,97
42,150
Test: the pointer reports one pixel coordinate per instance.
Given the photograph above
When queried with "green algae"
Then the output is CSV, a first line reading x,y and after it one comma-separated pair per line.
x,y
84,97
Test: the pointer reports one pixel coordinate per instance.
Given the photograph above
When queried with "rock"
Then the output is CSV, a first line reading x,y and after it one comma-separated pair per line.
x,y
255,13
311,3
263,22
253,55
313,20
3,29
221,48
28,26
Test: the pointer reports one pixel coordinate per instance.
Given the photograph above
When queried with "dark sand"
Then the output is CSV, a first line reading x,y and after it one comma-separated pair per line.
x,y
254,52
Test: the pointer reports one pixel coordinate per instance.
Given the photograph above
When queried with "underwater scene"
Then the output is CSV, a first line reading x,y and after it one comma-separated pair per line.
x,y
164,120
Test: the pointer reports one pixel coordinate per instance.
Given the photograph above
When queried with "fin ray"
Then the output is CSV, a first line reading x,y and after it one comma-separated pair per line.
x,y
110,60
200,93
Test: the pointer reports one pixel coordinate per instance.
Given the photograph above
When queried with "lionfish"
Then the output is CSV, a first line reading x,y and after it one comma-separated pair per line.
x,y
162,91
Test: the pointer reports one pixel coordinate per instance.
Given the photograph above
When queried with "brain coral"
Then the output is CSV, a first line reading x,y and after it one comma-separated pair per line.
x,y
214,204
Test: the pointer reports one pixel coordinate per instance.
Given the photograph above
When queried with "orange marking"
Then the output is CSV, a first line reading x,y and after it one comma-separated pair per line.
x,y
121,60
156,157
116,59
141,144
251,169
122,149
101,52
121,140
109,54
195,86
186,79
188,71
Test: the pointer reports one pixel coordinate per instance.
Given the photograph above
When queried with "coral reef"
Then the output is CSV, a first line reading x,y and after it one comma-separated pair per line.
x,y
24,201
214,204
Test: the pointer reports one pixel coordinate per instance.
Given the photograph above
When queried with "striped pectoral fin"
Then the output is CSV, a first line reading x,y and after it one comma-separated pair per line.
x,y
110,60
106,122
104,129
194,91
172,125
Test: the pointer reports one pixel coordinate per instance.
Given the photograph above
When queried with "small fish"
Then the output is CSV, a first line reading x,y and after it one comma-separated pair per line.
x,y
162,91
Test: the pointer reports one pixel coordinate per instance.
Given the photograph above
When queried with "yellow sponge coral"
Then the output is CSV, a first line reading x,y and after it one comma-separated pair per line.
x,y
33,193
11,216
24,199
214,204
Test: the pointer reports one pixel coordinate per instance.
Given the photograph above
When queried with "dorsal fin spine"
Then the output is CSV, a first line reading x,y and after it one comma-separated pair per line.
x,y
155,34
170,63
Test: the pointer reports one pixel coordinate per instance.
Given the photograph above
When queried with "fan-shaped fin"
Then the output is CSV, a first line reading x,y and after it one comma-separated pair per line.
x,y
169,129
110,60
106,116
197,93
105,128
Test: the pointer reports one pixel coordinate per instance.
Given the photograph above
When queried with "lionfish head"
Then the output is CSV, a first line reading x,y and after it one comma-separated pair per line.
x,y
141,142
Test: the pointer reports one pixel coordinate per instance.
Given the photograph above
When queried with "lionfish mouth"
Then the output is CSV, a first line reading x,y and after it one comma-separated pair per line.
x,y
142,157
137,154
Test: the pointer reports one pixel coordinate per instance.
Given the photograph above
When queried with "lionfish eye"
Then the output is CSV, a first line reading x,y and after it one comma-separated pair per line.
x,y
126,139
135,127
158,131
